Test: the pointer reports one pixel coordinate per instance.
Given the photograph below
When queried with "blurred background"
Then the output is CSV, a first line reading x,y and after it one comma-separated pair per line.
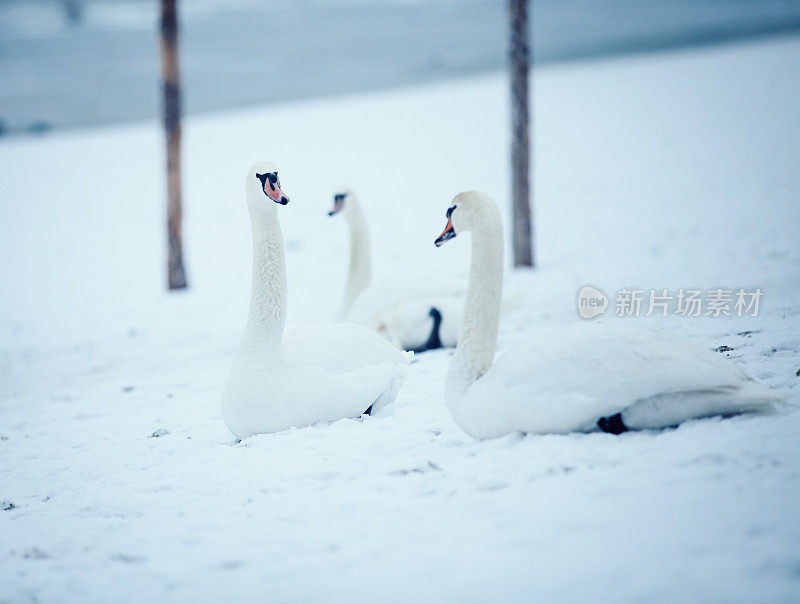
x,y
665,151
71,63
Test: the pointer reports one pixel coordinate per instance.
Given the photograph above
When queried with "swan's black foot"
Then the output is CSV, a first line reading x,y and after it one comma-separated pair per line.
x,y
368,411
612,424
434,341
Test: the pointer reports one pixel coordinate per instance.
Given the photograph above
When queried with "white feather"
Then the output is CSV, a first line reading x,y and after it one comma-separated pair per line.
x,y
567,380
399,311
298,375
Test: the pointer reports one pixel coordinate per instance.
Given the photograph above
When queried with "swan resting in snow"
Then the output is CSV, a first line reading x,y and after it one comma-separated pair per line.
x,y
587,377
414,314
301,374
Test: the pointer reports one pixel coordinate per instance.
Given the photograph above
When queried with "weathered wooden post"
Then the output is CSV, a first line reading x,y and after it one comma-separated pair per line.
x,y
170,75
521,202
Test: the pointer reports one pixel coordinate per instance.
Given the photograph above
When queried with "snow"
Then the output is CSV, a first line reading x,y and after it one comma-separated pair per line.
x,y
661,171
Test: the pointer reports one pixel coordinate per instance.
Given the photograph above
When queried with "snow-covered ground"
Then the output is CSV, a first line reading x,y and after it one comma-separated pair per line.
x,y
120,482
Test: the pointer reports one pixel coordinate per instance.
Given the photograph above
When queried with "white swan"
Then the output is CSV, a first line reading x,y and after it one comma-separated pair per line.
x,y
414,314
302,374
590,376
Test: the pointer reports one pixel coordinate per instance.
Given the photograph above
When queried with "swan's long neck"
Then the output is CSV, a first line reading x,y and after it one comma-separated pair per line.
x,y
477,336
268,289
359,274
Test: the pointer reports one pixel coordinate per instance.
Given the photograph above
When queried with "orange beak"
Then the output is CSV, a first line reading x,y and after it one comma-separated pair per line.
x,y
271,186
274,192
448,233
338,204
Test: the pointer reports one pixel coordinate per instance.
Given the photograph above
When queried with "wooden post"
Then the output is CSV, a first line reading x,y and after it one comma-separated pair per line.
x,y
522,227
170,75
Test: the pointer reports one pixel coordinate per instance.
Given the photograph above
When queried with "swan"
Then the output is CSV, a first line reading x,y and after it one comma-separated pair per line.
x,y
414,314
587,377
298,375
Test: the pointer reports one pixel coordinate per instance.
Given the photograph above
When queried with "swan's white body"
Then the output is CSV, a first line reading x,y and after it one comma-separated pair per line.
x,y
566,381
399,311
298,375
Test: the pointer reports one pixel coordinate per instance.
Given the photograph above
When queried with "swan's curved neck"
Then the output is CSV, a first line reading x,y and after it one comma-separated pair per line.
x,y
477,336
359,274
268,288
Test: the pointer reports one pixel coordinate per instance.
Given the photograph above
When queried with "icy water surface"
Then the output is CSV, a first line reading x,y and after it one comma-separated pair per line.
x,y
66,63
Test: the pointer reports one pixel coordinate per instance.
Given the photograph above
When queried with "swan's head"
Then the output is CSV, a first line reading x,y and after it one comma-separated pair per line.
x,y
266,173
340,198
468,210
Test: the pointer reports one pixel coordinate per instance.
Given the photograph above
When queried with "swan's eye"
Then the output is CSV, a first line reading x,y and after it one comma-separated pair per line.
x,y
450,211
265,177
272,177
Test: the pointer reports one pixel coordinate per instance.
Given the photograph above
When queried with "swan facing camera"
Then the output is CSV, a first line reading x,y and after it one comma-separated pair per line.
x,y
274,192
591,302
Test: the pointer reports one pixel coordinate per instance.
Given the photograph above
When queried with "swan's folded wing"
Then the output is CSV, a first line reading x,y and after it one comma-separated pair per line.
x,y
338,348
565,381
410,322
380,299
319,395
